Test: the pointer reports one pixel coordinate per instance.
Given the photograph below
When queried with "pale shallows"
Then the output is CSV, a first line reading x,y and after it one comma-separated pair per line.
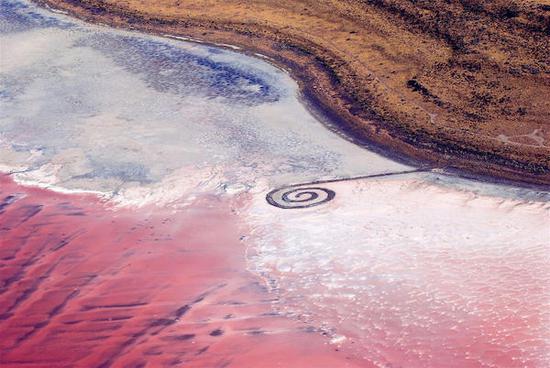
x,y
105,110
419,269
413,274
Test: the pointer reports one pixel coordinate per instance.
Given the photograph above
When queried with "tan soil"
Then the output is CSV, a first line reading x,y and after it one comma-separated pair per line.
x,y
460,84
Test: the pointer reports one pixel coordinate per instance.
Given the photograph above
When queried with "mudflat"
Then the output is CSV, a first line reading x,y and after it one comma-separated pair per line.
x,y
460,84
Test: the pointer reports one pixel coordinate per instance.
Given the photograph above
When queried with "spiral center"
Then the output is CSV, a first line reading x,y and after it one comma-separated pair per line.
x,y
299,197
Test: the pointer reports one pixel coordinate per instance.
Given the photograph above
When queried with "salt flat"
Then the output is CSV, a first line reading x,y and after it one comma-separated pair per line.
x,y
421,269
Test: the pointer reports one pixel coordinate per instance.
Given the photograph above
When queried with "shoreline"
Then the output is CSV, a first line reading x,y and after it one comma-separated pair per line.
x,y
332,109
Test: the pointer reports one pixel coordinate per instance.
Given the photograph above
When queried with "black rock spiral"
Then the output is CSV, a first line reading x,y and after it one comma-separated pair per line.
x,y
299,197
302,196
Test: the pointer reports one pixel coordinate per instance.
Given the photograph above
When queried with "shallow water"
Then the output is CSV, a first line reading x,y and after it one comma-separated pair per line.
x,y
108,110
418,269
414,274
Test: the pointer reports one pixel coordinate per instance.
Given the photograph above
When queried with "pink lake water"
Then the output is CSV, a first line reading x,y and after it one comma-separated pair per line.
x,y
155,211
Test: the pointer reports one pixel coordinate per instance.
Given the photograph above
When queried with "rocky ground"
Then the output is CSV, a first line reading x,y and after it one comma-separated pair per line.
x,y
464,84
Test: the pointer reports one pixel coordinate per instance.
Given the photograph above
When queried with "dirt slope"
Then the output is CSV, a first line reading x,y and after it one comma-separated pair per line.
x,y
461,84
